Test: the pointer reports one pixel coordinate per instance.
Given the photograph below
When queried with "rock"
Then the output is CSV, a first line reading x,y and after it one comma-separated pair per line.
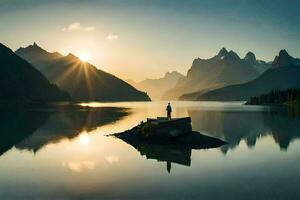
x,y
162,131
167,140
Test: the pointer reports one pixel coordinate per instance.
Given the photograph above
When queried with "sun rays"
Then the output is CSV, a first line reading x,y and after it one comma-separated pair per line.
x,y
84,57
79,73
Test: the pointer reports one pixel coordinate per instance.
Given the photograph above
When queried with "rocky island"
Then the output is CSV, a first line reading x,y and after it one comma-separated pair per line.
x,y
167,140
176,131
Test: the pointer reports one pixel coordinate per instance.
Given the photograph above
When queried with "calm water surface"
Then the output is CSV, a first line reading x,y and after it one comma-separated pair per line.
x,y
66,155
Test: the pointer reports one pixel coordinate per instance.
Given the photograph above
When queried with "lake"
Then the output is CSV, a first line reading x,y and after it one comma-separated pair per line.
x,y
67,155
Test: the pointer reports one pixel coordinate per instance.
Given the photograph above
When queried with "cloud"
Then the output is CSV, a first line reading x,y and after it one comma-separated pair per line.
x,y
112,159
75,26
112,36
90,28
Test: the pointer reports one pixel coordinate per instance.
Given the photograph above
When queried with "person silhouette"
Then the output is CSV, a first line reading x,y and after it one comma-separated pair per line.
x,y
169,111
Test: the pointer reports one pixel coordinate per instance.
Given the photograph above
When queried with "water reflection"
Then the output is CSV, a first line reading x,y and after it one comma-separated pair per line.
x,y
177,151
79,166
165,153
235,126
34,130
84,164
15,127
84,139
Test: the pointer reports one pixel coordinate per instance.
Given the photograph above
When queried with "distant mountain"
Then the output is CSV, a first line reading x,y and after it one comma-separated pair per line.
x,y
82,80
38,56
259,65
284,74
226,68
157,87
21,83
284,59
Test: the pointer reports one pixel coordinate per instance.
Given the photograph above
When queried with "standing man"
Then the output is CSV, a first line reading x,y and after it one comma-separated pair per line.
x,y
169,111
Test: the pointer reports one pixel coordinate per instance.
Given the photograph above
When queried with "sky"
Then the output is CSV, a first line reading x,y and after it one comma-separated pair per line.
x,y
137,39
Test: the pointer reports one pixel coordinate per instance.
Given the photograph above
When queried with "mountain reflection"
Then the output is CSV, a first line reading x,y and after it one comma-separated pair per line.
x,y
235,126
15,127
33,130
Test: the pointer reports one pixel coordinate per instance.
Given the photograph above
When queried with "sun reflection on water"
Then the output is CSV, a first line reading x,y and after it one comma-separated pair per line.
x,y
84,139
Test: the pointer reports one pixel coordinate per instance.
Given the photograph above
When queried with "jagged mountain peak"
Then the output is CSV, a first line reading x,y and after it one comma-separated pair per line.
x,y
63,71
71,56
34,46
31,87
229,55
284,53
172,73
223,52
232,55
282,59
35,53
250,56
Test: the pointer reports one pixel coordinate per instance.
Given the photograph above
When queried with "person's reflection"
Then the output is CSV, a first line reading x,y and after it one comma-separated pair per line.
x,y
169,167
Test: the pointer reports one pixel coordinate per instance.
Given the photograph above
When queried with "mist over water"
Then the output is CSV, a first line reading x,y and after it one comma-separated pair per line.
x,y
67,155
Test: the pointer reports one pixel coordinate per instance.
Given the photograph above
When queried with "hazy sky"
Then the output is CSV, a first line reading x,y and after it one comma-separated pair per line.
x,y
135,39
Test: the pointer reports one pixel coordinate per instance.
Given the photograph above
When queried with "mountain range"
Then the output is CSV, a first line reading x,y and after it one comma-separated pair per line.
x,y
82,80
284,74
224,77
226,68
155,88
21,83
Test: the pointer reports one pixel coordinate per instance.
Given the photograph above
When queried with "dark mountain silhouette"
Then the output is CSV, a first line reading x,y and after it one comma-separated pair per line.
x,y
259,65
283,74
284,59
157,87
82,80
224,69
21,83
38,56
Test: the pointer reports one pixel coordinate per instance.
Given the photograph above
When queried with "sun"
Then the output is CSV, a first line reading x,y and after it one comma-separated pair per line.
x,y
84,57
